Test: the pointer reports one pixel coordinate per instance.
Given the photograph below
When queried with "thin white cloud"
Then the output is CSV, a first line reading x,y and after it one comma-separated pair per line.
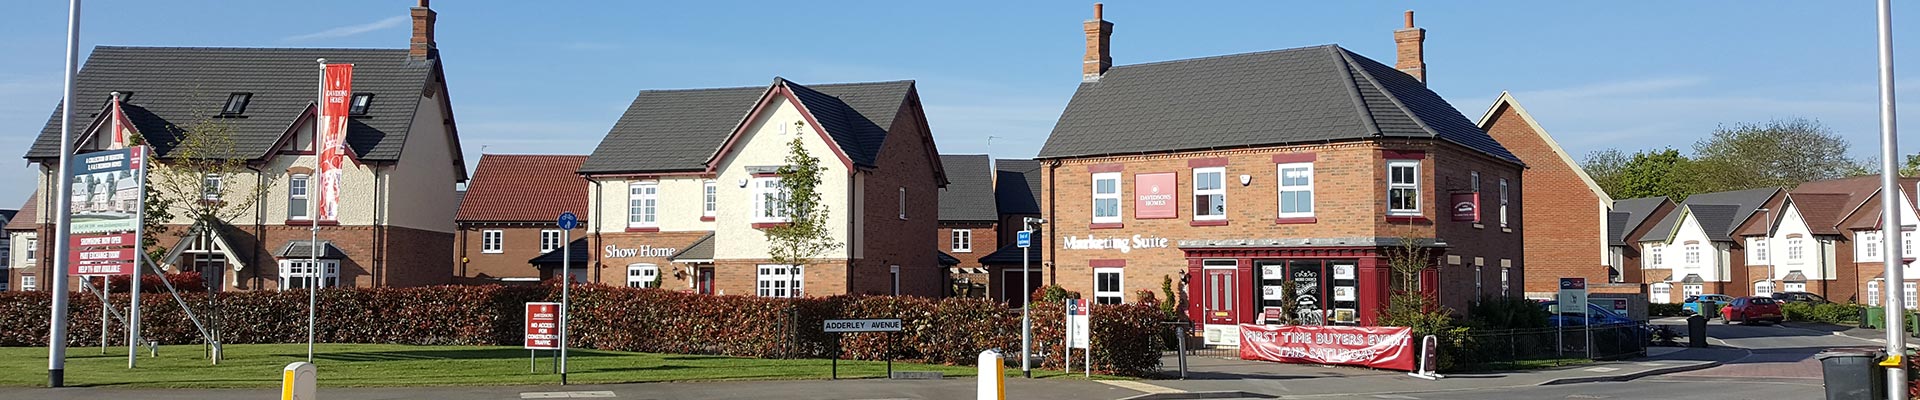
x,y
351,30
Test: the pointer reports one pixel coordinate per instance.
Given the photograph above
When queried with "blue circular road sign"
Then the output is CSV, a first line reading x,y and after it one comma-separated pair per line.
x,y
568,221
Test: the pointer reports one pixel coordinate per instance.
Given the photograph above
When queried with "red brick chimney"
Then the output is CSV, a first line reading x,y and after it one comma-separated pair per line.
x,y
422,47
1411,41
1098,58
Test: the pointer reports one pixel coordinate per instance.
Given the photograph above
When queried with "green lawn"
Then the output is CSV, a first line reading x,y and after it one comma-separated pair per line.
x,y
342,365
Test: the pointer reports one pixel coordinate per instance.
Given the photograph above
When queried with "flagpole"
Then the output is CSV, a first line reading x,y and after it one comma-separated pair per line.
x,y
57,332
313,216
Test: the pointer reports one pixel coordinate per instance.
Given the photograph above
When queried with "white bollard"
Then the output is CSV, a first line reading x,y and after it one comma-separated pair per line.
x,y
297,382
993,376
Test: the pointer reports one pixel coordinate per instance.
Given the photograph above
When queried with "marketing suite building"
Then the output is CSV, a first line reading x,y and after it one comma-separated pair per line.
x,y
685,182
1228,175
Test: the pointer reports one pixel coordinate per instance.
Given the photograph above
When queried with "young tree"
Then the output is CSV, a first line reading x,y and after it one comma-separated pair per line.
x,y
1776,153
204,179
806,235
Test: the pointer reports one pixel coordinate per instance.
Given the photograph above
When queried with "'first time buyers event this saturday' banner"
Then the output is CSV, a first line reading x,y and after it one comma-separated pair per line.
x,y
1384,347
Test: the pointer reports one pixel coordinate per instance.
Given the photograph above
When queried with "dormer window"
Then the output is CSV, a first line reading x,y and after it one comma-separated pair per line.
x,y
359,104
236,104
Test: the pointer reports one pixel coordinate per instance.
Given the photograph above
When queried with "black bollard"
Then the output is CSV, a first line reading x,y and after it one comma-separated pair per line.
x,y
1697,331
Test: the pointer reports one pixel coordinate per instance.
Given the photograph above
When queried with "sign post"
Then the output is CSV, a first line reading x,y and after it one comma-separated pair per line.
x,y
1079,335
567,222
1026,284
838,326
1573,293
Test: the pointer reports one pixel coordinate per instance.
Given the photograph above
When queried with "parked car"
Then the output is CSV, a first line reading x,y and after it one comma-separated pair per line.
x,y
1595,314
1751,309
1693,303
1793,297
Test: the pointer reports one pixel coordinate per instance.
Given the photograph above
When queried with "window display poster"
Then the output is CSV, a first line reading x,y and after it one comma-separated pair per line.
x,y
1346,292
1308,294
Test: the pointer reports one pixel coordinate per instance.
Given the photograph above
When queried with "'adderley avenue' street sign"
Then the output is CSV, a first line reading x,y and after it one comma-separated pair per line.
x,y
862,325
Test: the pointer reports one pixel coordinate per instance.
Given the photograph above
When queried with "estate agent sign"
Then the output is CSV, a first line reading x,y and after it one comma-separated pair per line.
x,y
543,326
1154,196
106,203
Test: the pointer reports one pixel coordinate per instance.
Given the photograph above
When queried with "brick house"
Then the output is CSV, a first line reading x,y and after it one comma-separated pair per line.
x,y
681,186
509,215
969,221
395,224
1228,175
1859,267
1016,191
1628,221
1695,249
23,260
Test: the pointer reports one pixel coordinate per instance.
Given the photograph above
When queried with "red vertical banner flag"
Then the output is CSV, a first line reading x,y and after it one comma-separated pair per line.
x,y
122,127
331,133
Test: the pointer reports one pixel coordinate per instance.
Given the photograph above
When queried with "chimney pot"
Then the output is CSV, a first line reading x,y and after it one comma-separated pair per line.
x,y
1097,10
1409,14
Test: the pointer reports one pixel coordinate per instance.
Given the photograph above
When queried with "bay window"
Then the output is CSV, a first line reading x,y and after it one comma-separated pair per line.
x,y
300,274
1296,190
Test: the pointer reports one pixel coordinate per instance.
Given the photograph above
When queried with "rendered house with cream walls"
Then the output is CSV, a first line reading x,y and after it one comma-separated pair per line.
x,y
686,180
397,198
1694,250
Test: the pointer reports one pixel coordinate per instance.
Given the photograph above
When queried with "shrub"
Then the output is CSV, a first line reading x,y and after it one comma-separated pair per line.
x,y
1666,309
1829,313
946,331
185,282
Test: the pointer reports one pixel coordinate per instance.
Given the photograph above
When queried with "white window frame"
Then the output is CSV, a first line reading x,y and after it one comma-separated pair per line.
x,y
642,275
643,204
1506,281
768,194
772,280
1652,257
1413,186
1661,293
210,187
1908,296
1119,207
894,271
1115,296
1693,289
1796,287
1869,246
299,190
1693,254
302,268
1873,292
1796,250
550,240
33,249
1503,202
1280,173
710,194
1219,191
962,240
492,241
1757,251
1906,243
1763,288
903,204
29,283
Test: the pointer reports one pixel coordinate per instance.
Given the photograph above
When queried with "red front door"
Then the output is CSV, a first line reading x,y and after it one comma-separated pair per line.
x,y
705,280
1221,300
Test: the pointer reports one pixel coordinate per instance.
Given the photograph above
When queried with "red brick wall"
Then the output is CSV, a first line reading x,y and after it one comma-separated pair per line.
x,y
1349,203
986,239
906,160
613,271
519,243
1498,246
1565,211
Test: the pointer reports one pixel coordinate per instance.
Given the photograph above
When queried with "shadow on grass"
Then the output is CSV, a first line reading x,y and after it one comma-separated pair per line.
x,y
404,355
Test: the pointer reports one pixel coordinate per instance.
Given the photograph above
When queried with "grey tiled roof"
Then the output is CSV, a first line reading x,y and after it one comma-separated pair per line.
x,y
680,130
299,249
1631,213
175,87
700,250
1718,213
1017,188
1010,255
576,255
1308,94
969,192
946,260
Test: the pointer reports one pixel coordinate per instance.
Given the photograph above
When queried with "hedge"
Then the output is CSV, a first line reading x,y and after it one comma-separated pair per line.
x,y
947,331
1826,313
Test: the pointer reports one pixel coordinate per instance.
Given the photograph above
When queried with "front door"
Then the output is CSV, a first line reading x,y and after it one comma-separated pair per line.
x,y
704,280
1219,308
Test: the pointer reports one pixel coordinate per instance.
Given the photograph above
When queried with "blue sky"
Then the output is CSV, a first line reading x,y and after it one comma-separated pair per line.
x,y
551,77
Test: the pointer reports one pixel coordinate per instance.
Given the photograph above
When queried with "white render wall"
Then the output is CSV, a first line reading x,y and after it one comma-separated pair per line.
x,y
681,201
1712,263
421,185
17,258
764,144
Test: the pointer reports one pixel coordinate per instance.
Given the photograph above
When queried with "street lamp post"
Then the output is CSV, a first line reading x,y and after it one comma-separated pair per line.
x,y
1890,210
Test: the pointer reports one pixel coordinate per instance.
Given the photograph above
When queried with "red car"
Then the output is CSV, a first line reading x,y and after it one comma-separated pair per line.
x,y
1753,308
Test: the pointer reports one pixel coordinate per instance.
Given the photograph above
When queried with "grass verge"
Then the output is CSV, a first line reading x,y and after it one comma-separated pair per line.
x,y
374,365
